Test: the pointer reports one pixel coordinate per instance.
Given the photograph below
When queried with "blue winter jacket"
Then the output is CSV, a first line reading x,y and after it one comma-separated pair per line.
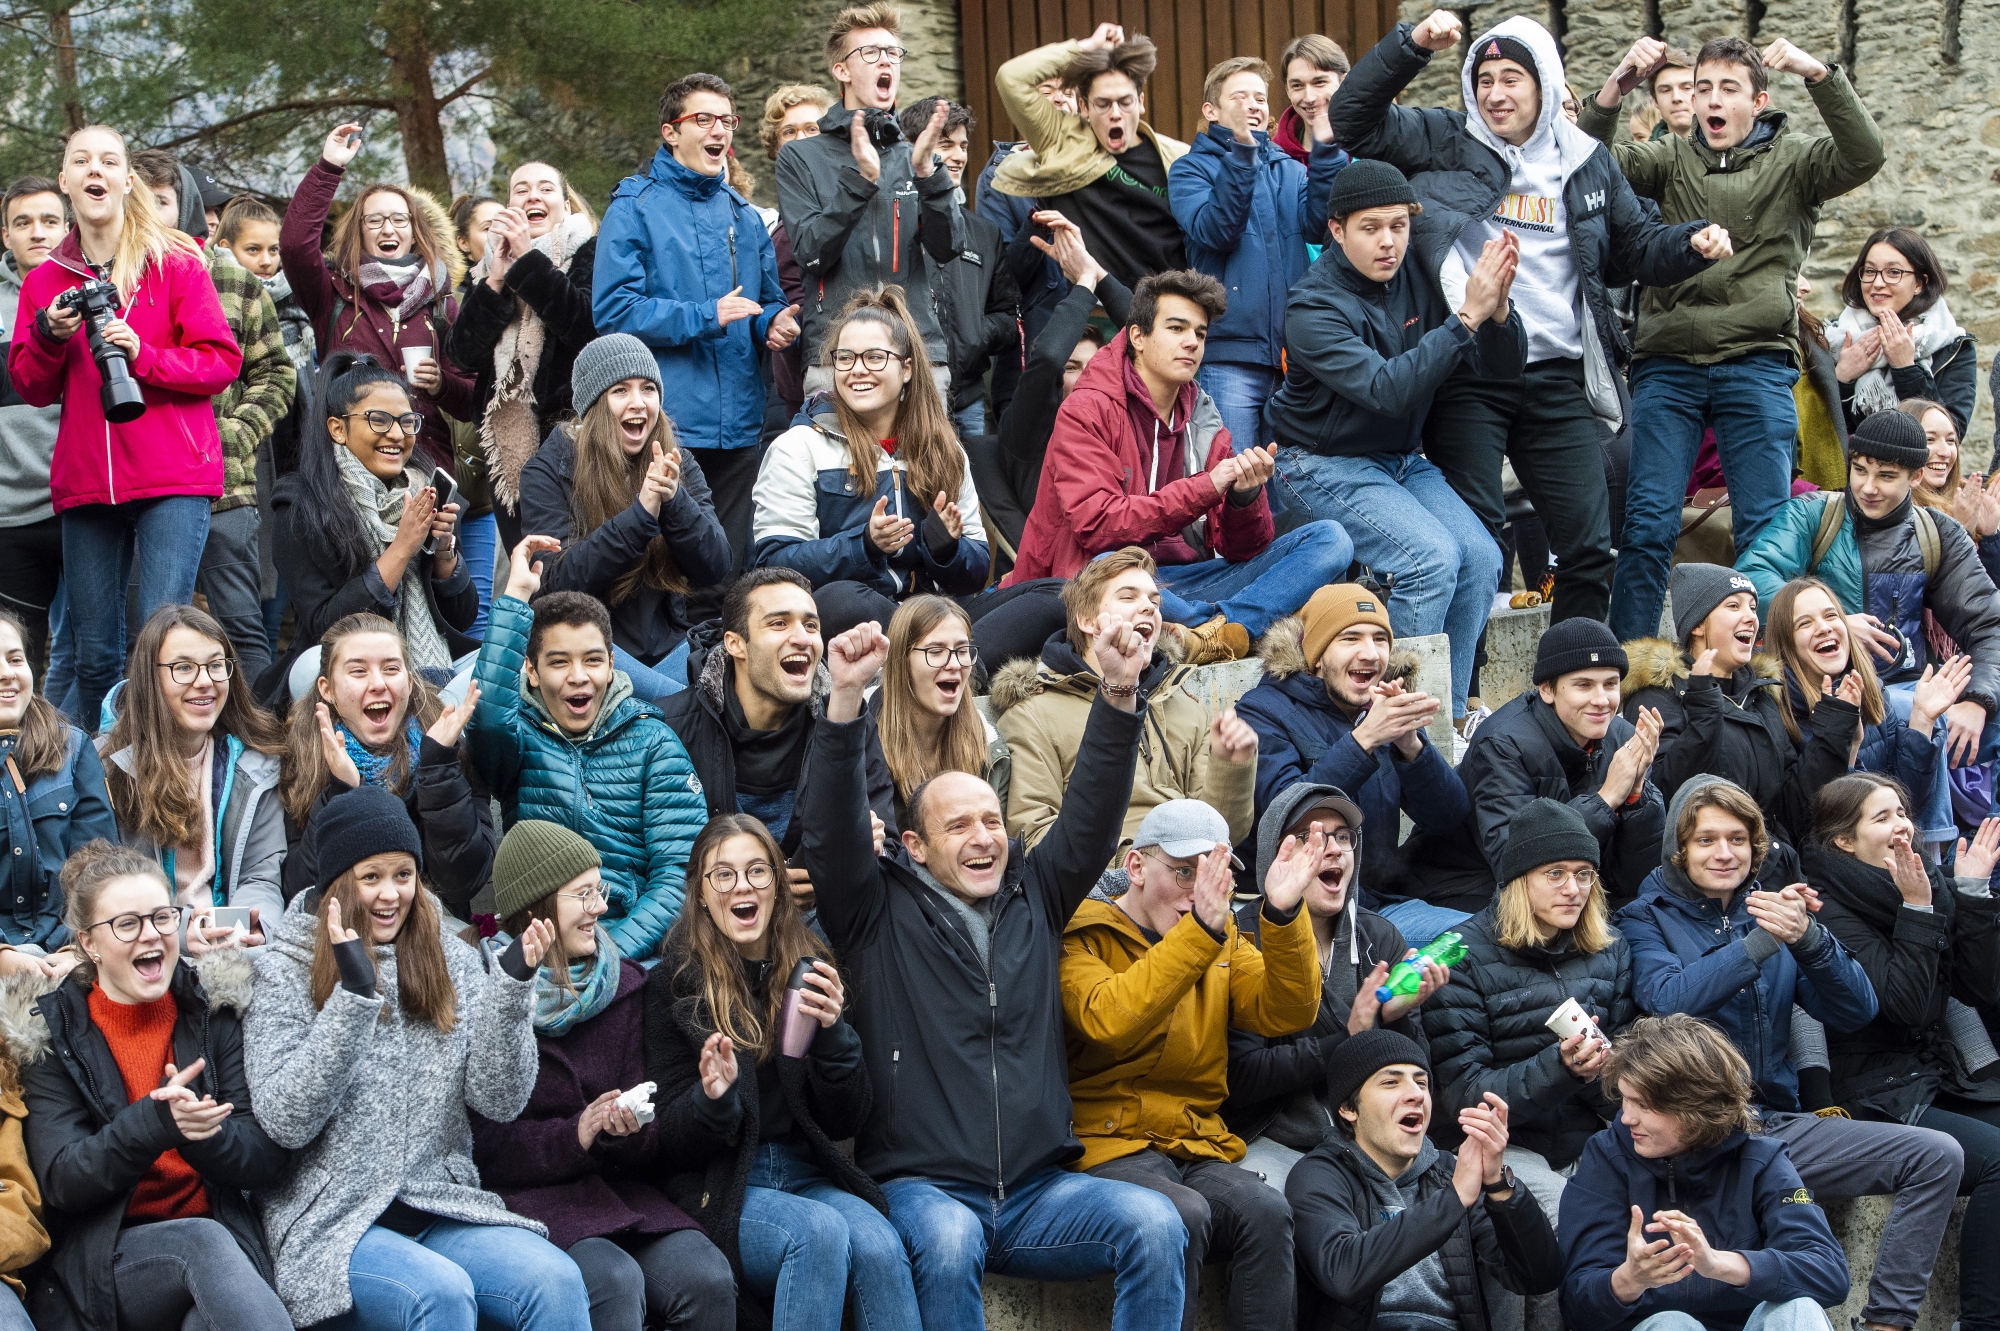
x,y
1248,212
672,243
1691,955
1747,1198
627,786
56,813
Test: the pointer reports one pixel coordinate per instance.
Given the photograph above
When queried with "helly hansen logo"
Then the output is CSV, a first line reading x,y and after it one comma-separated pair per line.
x,y
1594,199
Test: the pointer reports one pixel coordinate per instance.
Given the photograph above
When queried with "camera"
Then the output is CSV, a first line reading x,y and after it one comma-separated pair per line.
x,y
97,301
882,128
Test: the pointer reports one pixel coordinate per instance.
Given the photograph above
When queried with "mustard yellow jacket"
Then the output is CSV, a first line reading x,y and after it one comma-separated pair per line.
x,y
23,1240
1147,1026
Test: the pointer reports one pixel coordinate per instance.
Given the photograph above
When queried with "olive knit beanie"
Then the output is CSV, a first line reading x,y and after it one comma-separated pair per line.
x,y
535,859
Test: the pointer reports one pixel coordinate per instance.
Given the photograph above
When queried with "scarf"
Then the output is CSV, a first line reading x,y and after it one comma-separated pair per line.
x,y
593,983
404,284
373,766
293,326
381,509
1932,332
508,431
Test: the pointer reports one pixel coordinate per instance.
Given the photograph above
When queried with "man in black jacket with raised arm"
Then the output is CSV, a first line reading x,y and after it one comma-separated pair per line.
x,y
954,939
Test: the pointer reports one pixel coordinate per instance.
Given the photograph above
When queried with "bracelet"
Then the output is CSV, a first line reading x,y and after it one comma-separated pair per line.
x,y
1117,690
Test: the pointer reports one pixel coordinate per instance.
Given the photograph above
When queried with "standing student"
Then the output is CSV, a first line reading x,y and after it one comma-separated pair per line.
x,y
1895,338
140,1125
1670,91
576,1160
33,220
924,711
379,1236
1311,66
141,490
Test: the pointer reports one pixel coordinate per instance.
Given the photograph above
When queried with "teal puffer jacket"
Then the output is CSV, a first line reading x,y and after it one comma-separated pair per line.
x,y
627,786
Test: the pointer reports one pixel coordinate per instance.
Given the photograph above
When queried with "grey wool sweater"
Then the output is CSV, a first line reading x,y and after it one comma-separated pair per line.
x,y
375,1103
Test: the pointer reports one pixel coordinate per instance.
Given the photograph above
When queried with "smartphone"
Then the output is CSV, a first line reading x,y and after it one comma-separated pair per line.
x,y
227,917
447,491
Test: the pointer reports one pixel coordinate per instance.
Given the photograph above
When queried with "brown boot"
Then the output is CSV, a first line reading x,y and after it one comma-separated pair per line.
x,y
1217,640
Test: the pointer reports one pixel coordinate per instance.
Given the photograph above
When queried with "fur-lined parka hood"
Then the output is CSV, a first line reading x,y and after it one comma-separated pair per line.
x,y
1655,663
1062,668
222,978
1282,649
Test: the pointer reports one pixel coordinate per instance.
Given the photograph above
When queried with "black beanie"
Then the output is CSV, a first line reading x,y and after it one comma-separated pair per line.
x,y
1578,643
1506,48
1360,1057
1696,589
1363,184
1892,437
364,822
1544,833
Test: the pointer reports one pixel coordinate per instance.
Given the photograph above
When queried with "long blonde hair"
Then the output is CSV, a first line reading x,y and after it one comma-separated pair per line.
x,y
143,239
961,746
926,443
1517,928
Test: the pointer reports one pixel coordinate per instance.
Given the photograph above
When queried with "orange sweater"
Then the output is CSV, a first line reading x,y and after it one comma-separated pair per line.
x,y
141,1037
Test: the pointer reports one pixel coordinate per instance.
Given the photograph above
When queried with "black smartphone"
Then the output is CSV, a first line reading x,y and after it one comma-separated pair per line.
x,y
447,491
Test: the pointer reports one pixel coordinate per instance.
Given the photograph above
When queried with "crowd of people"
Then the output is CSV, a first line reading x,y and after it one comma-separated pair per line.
x,y
747,663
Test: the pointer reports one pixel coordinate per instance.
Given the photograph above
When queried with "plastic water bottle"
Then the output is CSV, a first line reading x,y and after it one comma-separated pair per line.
x,y
1406,977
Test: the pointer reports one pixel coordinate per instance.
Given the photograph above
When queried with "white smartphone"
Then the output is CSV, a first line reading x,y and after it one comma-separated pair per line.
x,y
225,917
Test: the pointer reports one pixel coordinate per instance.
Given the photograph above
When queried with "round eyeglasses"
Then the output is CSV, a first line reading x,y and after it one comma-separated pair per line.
x,y
186,672
166,920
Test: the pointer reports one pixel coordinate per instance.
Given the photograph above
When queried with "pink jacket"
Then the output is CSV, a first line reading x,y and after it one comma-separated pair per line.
x,y
187,355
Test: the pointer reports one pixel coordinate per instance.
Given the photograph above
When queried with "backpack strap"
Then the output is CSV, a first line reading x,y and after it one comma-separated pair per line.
x,y
1927,540
1831,510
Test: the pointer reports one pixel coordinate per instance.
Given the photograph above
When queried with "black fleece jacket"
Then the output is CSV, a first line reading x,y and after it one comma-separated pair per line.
x,y
562,300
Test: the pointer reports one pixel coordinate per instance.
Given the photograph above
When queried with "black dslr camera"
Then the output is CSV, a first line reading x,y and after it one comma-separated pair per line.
x,y
882,128
97,301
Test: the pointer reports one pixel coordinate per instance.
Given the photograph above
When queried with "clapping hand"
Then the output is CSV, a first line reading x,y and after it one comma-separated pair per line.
x,y
1685,1232
866,160
1906,868
886,531
949,514
1784,915
196,1119
452,721
1649,1264
535,942
414,527
736,305
1231,739
1936,690
1254,467
718,1065
1976,857
662,479
1627,769
923,153
1211,890
333,749
1703,664
1294,869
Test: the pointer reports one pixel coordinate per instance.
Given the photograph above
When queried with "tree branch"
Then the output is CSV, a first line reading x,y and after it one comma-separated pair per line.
x,y
277,108
465,87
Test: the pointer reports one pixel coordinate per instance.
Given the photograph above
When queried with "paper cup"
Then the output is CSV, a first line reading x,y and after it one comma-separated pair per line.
x,y
412,358
1570,1019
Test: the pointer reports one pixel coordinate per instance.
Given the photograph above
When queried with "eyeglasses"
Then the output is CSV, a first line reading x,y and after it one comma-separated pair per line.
x,y
810,129
1554,878
381,422
707,120
1103,104
185,672
126,927
874,358
1890,275
589,896
1183,873
723,878
385,222
875,55
936,657
1343,838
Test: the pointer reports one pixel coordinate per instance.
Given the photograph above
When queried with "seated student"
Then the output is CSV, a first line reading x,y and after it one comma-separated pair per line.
x,y
1973,500
924,713
1040,710
1277,1085
59,805
371,720
873,498
1721,707
632,509
1334,708
140,1126
760,1115
1893,566
382,1237
1393,1232
557,735
191,765
1370,340
358,527
756,692
1679,1216
1140,456
1772,953
23,1237
1152,981
1546,938
1895,337
952,936
576,1160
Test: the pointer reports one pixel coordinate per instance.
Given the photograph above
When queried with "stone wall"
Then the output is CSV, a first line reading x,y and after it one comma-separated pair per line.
x,y
1935,94
935,67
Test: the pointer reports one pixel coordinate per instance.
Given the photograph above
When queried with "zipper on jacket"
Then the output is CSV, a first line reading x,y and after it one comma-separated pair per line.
x,y
1673,1194
993,1061
734,281
895,234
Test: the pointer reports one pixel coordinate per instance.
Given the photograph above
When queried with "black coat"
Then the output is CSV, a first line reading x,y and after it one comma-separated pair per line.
x,y
981,309
1347,1251
453,815
706,1172
1269,1076
90,1148
563,303
1488,1032
648,623
1894,1066
696,715
323,596
966,1056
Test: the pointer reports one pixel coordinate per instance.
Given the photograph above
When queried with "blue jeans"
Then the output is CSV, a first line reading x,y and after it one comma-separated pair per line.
x,y
972,420
60,686
478,542
1240,392
1406,520
1053,1226
803,1236
460,1277
1749,401
650,682
1792,1315
99,544
1261,590
1419,921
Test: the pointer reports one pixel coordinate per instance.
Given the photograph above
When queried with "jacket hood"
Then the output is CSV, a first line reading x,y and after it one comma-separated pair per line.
x,y
1551,126
1677,881
1770,123
1283,651
1100,911
1271,831
1063,669
607,715
709,668
1655,663
666,169
1290,136
220,979
193,219
441,225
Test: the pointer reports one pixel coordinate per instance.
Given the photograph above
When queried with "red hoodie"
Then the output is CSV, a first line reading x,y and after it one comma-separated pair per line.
x,y
186,356
1096,492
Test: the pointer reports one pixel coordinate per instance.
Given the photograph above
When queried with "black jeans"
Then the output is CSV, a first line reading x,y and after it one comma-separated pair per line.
x,y
232,582
1544,424
189,1275
1976,1127
1012,623
32,556
731,474
1229,1212
677,1282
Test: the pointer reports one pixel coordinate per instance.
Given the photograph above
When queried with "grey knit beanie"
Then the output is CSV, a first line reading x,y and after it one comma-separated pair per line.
x,y
1696,589
604,362
535,859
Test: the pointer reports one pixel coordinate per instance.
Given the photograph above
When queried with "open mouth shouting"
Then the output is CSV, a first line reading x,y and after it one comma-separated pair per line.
x,y
578,702
1715,125
96,191
150,963
746,913
885,86
377,717
634,426
1115,138
1829,649
949,688
797,667
713,152
1411,1121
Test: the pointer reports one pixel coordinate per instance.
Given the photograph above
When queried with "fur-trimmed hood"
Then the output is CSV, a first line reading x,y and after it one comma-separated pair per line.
x,y
1282,649
1655,663
1062,667
223,977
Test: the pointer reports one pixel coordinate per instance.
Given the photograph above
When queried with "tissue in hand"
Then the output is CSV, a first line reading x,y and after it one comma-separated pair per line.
x,y
640,1101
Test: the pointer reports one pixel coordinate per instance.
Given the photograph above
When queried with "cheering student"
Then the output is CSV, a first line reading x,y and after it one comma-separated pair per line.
x,y
924,712
1895,338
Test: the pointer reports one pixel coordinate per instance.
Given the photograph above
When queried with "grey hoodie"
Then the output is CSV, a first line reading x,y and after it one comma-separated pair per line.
x,y
1420,1295
1271,834
27,434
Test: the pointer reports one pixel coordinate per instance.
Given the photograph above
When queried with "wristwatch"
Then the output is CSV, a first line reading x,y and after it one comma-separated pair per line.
x,y
1506,1183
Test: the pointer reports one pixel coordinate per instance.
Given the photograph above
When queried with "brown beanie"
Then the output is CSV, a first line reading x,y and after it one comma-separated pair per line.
x,y
1334,608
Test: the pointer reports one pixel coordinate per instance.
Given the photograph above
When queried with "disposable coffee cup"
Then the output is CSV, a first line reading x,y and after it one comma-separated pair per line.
x,y
412,358
1570,1019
